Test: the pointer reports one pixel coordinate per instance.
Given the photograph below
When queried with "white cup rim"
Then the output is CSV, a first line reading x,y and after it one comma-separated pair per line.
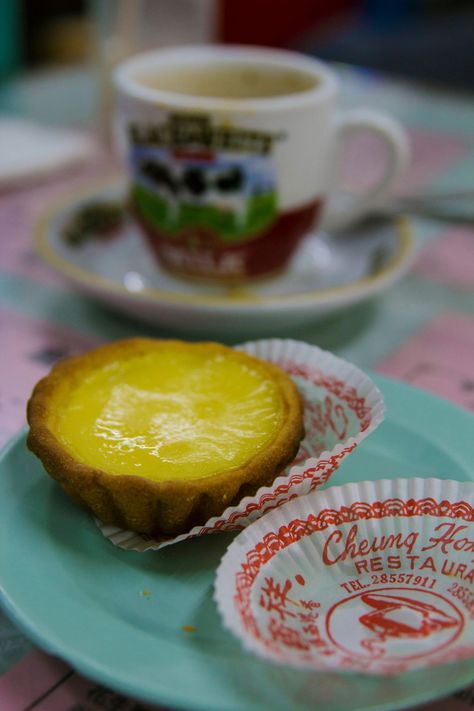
x,y
124,77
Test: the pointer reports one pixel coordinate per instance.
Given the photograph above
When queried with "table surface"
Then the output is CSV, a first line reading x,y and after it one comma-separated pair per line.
x,y
420,331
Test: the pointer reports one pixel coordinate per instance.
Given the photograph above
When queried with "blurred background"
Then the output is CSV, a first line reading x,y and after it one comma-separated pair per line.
x,y
402,36
422,40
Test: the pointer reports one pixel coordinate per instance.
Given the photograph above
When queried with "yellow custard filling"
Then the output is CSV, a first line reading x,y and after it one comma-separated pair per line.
x,y
170,415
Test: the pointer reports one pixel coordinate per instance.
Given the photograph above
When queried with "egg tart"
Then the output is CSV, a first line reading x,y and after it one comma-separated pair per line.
x,y
157,436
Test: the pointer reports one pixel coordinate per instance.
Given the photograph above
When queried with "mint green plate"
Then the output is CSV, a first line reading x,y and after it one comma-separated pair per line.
x,y
82,599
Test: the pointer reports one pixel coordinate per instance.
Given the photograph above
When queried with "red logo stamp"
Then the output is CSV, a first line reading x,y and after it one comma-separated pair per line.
x,y
394,623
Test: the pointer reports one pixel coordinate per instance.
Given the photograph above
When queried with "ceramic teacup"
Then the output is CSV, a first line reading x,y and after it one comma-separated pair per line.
x,y
232,154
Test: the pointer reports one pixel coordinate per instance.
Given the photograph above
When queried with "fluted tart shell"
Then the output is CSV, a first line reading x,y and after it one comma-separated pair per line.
x,y
160,508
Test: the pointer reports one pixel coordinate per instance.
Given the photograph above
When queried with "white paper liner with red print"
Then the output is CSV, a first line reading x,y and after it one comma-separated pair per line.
x,y
376,577
341,407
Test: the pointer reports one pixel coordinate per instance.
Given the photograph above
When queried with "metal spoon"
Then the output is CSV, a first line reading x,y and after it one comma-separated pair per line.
x,y
453,206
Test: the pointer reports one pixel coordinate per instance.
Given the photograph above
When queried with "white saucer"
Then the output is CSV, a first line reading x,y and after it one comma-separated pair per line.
x,y
328,273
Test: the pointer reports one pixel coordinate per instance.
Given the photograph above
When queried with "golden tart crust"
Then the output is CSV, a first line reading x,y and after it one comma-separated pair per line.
x,y
161,508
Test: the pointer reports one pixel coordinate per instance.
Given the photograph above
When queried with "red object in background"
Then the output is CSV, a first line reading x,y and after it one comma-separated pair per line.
x,y
274,23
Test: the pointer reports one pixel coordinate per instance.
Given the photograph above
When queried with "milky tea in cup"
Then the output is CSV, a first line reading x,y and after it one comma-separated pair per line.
x,y
230,154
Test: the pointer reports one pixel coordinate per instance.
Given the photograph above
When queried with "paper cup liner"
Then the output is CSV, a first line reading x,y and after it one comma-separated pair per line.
x,y
341,407
376,577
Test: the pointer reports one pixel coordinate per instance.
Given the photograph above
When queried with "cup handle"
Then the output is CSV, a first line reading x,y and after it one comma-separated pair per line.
x,y
344,207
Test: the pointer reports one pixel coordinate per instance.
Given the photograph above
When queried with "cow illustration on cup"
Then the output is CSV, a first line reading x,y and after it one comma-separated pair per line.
x,y
232,197
202,183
